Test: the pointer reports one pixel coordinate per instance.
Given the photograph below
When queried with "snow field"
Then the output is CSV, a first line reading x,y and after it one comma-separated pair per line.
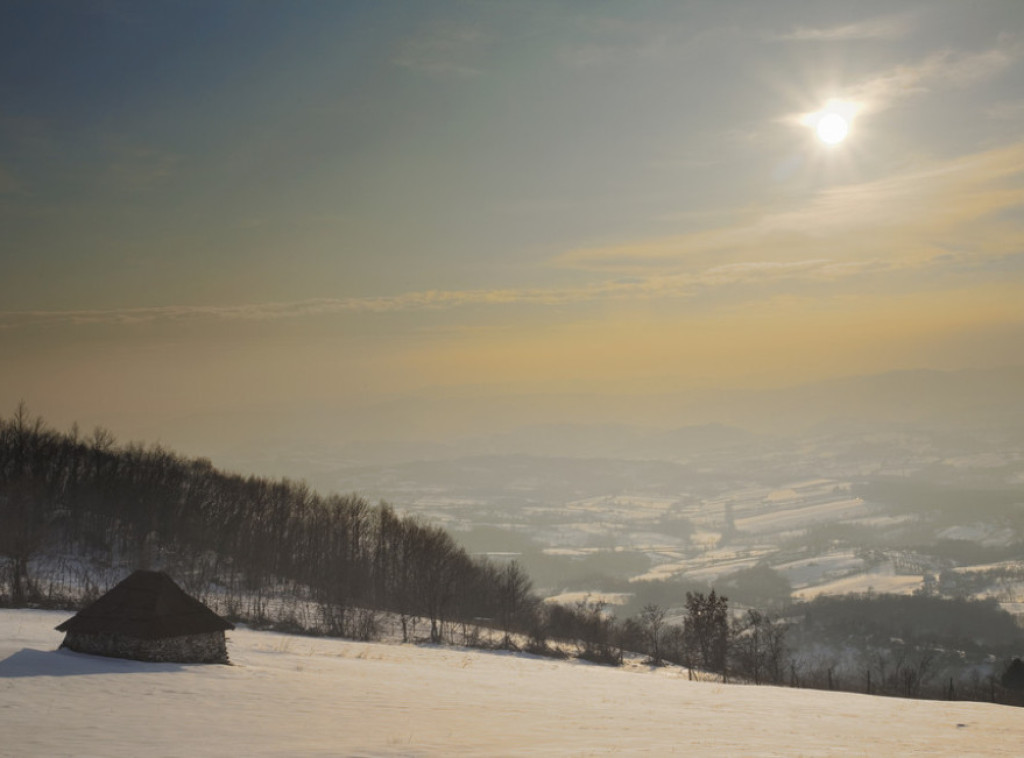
x,y
298,696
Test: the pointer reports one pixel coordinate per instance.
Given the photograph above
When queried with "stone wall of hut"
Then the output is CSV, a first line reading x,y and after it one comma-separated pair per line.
x,y
192,648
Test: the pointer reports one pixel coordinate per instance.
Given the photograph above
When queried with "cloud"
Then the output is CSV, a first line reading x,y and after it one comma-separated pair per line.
x,y
611,41
937,71
634,288
940,216
891,27
602,41
934,198
909,215
447,50
426,300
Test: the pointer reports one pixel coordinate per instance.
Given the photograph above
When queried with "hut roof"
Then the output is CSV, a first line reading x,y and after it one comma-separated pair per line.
x,y
146,605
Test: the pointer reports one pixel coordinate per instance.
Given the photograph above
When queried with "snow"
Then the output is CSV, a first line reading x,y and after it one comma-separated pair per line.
x,y
983,534
821,568
1004,566
708,566
802,515
781,496
983,460
608,598
883,581
298,696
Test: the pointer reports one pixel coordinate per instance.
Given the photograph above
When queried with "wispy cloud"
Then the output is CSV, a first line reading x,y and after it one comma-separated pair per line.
x,y
900,223
426,300
634,288
905,215
890,27
637,289
608,41
445,50
935,198
940,70
603,41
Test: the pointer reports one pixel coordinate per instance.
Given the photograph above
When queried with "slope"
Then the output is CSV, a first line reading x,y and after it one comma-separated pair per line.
x,y
299,696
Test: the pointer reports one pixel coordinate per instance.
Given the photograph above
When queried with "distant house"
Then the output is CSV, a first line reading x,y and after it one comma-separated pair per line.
x,y
148,617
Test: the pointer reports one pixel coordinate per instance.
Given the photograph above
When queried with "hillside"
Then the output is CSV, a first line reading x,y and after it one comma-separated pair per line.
x,y
301,696
833,512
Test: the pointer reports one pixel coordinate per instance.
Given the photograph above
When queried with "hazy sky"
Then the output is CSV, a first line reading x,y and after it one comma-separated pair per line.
x,y
293,206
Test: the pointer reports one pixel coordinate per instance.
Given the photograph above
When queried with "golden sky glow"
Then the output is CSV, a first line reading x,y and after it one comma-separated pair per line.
x,y
493,200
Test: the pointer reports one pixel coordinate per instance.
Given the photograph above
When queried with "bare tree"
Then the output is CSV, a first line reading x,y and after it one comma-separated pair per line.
x,y
513,600
652,623
25,498
759,650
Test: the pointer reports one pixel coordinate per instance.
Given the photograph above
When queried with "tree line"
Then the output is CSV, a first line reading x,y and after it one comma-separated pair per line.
x,y
702,636
260,550
787,648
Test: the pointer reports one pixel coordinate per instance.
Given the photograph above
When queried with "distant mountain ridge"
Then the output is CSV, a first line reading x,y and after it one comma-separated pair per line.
x,y
455,422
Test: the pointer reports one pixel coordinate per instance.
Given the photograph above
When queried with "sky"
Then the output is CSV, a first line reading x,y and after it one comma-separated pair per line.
x,y
227,210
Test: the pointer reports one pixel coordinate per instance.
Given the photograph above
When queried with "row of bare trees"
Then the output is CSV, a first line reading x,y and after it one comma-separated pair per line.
x,y
246,544
707,639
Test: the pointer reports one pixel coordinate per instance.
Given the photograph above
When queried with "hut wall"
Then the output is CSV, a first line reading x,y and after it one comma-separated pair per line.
x,y
193,648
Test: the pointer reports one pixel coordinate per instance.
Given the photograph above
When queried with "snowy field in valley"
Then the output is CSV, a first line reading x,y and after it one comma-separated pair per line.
x,y
298,696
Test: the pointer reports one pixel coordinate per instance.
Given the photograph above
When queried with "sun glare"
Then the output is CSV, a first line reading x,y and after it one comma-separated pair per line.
x,y
832,123
832,128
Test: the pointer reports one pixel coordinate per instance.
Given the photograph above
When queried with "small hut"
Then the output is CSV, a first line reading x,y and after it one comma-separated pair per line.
x,y
148,617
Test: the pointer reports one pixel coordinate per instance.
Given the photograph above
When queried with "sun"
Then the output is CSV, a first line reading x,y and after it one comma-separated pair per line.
x,y
832,128
832,123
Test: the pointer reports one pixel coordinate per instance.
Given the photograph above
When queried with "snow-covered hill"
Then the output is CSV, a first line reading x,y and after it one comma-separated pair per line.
x,y
298,696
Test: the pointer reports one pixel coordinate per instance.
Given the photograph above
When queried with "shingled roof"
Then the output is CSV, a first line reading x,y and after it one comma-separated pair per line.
x,y
147,605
